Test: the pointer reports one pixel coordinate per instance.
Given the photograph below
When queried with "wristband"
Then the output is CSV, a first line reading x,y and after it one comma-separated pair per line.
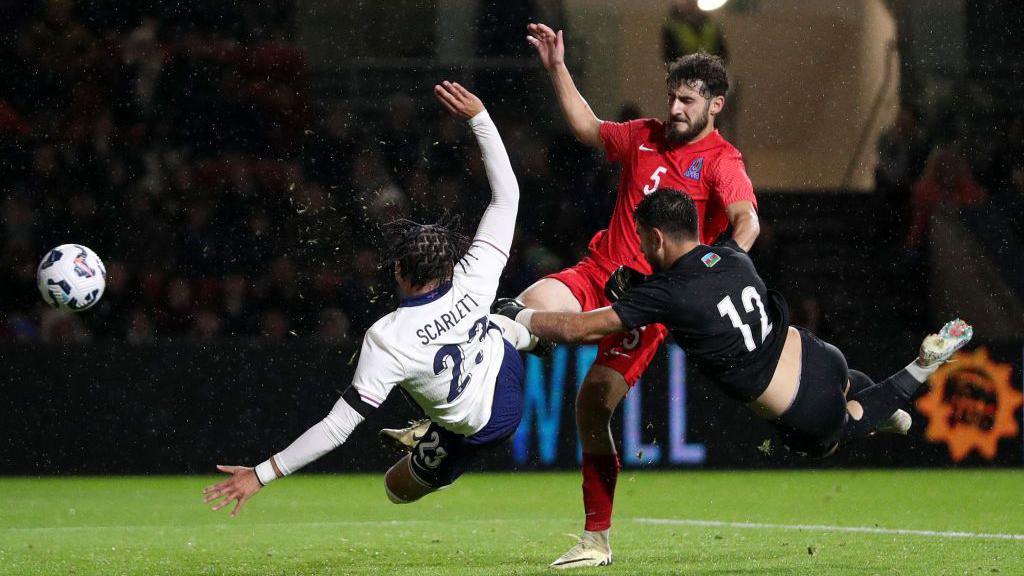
x,y
524,317
265,472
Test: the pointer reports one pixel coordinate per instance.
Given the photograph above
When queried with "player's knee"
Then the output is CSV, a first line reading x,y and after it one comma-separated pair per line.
x,y
602,390
591,412
594,408
531,299
855,410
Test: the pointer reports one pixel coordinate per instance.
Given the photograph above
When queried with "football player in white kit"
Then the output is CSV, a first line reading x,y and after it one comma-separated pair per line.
x,y
440,345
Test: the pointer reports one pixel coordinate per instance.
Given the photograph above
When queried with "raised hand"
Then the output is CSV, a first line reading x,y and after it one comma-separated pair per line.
x,y
459,102
549,44
238,488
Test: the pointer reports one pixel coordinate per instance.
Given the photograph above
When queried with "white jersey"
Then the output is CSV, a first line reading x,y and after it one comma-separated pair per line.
x,y
440,347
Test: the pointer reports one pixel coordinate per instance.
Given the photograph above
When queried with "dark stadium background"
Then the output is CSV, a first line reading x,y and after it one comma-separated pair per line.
x,y
231,163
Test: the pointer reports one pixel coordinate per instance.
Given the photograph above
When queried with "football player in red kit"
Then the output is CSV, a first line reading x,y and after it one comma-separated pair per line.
x,y
684,152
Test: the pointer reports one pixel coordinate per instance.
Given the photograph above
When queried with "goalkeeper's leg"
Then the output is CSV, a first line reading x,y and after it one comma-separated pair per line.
x,y
873,406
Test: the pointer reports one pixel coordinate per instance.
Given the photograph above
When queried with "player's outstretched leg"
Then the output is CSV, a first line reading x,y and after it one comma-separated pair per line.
x,y
877,405
899,423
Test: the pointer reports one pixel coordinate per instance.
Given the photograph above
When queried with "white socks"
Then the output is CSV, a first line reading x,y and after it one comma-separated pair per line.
x,y
601,538
921,373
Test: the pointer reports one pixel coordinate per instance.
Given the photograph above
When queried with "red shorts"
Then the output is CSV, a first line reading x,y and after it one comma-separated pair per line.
x,y
628,353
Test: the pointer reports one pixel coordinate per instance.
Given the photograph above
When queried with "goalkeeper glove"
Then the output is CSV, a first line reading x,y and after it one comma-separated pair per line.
x,y
621,281
507,307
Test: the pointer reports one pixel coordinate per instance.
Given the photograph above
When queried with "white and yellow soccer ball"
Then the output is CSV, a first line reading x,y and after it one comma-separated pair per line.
x,y
71,277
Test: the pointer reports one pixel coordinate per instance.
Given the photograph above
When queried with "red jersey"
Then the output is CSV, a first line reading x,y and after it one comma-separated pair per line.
x,y
710,170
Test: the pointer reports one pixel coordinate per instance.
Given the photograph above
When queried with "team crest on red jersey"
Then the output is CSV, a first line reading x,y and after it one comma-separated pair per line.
x,y
693,172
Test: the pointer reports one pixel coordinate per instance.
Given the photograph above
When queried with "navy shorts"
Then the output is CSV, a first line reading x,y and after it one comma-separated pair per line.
x,y
441,456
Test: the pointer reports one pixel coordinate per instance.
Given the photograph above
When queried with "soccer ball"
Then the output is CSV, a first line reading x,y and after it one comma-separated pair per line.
x,y
71,277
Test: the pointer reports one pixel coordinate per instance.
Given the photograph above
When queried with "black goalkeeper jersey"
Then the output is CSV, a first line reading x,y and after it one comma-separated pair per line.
x,y
719,311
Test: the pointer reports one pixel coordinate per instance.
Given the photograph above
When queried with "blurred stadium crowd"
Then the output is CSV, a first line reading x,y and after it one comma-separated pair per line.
x,y
184,146
952,161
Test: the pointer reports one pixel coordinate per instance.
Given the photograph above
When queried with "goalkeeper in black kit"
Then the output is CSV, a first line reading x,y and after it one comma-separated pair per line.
x,y
737,333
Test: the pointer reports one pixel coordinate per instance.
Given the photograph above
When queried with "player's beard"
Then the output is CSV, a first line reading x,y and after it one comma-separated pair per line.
x,y
676,135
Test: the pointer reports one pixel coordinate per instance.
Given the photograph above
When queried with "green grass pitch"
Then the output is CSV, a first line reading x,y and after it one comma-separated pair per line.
x,y
515,524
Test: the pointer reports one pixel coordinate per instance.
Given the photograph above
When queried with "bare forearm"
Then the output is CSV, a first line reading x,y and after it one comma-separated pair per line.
x,y
561,327
745,229
572,327
584,123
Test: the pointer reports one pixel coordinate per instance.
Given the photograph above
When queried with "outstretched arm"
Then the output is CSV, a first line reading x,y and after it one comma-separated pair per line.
x,y
571,327
550,46
326,435
638,302
498,224
376,374
320,439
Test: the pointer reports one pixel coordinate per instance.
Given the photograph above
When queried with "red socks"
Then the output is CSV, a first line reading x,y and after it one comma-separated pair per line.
x,y
599,474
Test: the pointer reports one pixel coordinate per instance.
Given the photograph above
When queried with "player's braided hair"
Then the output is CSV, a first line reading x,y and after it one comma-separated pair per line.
x,y
700,71
425,252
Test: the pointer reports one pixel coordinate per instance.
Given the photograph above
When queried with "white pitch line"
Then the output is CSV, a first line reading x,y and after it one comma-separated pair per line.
x,y
827,528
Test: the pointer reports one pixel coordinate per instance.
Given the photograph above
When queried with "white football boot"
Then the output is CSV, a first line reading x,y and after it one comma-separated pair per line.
x,y
899,423
406,438
591,549
936,349
939,348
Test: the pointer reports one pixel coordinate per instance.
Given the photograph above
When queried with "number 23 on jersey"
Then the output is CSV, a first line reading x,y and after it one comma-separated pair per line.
x,y
450,357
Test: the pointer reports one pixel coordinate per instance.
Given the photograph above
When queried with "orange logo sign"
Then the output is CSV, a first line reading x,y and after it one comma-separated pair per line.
x,y
971,405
